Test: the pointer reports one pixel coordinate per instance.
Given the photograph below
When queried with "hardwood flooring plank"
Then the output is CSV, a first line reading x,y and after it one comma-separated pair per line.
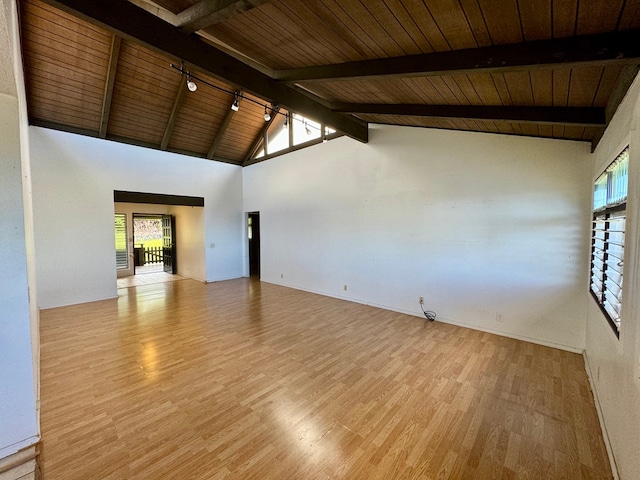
x,y
247,380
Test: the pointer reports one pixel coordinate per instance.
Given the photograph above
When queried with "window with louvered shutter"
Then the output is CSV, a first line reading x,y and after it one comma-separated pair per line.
x,y
122,259
607,239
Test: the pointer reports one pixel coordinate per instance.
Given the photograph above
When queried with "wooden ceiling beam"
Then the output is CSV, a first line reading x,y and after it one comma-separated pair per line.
x,y
626,78
177,104
261,137
114,55
131,22
209,12
221,131
172,18
599,49
578,116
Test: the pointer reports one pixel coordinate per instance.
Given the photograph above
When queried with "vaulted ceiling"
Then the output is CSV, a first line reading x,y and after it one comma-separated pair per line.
x,y
543,68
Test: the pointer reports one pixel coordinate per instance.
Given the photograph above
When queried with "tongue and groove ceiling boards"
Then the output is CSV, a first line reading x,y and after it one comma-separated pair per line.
x,y
543,68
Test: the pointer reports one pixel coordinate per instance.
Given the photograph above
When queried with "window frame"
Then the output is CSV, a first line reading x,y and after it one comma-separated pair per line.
x,y
261,148
126,240
611,209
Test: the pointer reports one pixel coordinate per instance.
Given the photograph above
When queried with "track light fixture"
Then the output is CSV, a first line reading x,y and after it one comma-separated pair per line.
x,y
236,106
191,85
270,109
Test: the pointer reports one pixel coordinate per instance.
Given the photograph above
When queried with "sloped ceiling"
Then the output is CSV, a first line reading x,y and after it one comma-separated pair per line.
x,y
524,67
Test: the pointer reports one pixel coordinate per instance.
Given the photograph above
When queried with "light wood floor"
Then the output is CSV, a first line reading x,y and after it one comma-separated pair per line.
x,y
244,380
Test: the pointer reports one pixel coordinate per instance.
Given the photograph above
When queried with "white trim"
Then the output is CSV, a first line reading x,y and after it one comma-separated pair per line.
x,y
90,300
16,447
524,338
603,427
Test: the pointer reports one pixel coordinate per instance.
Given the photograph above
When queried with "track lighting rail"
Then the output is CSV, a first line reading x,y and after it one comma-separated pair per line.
x,y
270,109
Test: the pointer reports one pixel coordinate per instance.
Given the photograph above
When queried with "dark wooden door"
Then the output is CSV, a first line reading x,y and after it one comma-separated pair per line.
x,y
169,243
253,232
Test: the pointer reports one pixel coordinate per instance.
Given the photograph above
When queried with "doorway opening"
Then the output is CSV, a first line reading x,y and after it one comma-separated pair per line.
x,y
253,234
147,244
154,248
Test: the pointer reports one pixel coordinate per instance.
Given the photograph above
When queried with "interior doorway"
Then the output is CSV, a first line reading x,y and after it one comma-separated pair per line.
x,y
253,234
147,243
154,247
151,246
177,251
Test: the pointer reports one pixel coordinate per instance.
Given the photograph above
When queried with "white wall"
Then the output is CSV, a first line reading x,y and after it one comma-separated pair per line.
x,y
17,398
614,364
73,182
190,246
485,227
18,370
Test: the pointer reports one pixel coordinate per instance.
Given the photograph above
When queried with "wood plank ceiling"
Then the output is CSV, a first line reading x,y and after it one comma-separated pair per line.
x,y
544,68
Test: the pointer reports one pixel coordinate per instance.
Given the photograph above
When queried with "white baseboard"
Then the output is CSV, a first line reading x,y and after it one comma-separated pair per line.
x,y
524,338
603,427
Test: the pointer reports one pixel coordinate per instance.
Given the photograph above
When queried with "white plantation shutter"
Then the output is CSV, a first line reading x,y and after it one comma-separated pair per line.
x,y
607,239
121,240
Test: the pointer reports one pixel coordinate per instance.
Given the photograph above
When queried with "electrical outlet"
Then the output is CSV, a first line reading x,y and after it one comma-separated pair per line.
x,y
421,300
345,288
282,275
498,317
